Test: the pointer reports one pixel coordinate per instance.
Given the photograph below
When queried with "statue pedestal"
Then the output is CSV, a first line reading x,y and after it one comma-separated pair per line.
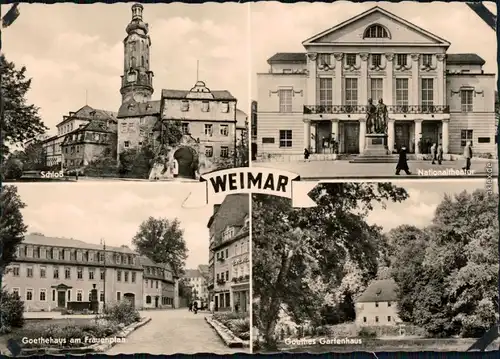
x,y
375,144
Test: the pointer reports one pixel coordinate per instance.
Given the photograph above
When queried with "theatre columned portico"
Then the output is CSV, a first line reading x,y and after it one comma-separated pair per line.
x,y
317,100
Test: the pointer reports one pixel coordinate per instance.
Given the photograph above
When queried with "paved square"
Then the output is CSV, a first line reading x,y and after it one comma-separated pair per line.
x,y
315,170
174,331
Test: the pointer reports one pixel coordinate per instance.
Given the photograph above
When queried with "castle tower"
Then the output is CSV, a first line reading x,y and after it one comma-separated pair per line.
x,y
137,79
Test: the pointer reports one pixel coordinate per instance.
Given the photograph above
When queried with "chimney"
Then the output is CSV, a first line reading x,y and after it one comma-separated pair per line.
x,y
216,208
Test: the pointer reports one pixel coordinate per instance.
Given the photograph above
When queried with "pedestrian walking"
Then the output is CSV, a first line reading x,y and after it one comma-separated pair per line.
x,y
195,307
306,154
433,153
175,168
402,162
467,156
440,154
212,307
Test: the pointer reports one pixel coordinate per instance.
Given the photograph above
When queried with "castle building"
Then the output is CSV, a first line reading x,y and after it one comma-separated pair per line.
x,y
50,273
377,306
82,136
208,117
317,99
229,262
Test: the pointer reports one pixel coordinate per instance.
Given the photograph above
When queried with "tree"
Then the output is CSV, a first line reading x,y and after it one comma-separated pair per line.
x,y
21,121
136,162
12,227
302,257
447,274
162,241
11,169
185,290
35,157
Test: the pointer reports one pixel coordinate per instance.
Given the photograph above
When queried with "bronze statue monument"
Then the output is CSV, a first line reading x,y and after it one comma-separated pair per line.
x,y
376,117
371,116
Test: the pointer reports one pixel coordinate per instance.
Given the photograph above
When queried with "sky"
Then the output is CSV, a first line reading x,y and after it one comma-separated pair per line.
x,y
294,23
113,211
70,50
424,197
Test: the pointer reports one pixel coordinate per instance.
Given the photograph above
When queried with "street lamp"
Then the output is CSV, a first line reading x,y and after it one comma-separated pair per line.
x,y
103,243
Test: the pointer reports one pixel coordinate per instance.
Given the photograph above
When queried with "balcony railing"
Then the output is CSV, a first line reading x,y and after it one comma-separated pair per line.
x,y
361,109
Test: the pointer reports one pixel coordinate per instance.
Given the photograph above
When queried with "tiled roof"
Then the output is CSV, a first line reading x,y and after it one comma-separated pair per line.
x,y
39,239
146,261
464,59
232,212
288,57
380,291
135,109
181,94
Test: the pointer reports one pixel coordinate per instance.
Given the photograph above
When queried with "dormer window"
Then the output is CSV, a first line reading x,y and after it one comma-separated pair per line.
x,y
184,105
225,107
376,32
205,106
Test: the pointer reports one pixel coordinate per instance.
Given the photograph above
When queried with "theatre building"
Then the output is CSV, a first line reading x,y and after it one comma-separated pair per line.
x,y
50,273
229,285
317,99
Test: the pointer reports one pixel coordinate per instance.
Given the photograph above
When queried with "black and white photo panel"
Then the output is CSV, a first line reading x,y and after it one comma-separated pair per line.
x,y
123,268
377,267
145,92
349,90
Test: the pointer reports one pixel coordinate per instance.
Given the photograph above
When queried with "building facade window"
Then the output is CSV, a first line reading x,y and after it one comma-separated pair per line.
x,y
91,274
427,94
133,277
43,271
225,107
103,274
376,89
351,91
208,129
466,99
43,295
376,60
402,59
126,144
325,91
29,294
118,296
119,275
101,296
205,106
148,299
285,138
224,130
224,151
426,59
67,273
466,136
285,100
402,92
325,59
15,271
56,273
376,31
184,106
350,59
209,151
79,273
29,272
125,276
79,295
185,128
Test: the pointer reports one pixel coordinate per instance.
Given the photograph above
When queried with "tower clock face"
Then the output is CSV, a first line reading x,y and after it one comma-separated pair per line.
x,y
138,97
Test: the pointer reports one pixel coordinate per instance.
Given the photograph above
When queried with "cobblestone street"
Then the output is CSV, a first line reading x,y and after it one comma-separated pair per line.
x,y
314,170
174,332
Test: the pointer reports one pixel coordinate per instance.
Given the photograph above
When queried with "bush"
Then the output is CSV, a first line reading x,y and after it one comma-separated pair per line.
x,y
11,310
367,333
122,312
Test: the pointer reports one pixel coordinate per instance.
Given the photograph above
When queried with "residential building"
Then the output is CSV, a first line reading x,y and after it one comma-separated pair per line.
x,y
50,272
196,278
378,304
82,137
208,117
317,99
230,254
